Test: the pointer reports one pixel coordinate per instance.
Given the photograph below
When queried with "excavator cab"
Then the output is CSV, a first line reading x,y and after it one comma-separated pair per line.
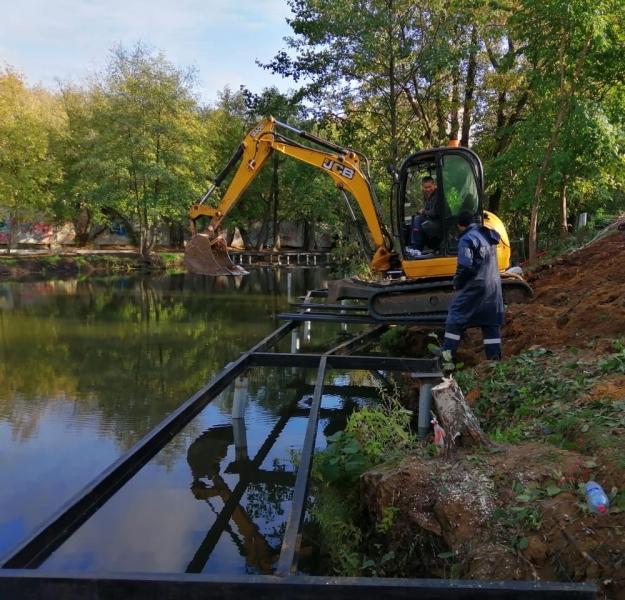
x,y
458,177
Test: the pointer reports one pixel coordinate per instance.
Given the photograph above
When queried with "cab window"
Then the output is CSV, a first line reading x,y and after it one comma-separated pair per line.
x,y
461,193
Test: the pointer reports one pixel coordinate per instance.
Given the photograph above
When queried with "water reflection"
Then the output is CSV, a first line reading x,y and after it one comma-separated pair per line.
x,y
220,503
88,366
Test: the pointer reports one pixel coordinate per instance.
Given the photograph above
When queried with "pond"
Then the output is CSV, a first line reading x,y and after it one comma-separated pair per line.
x,y
90,366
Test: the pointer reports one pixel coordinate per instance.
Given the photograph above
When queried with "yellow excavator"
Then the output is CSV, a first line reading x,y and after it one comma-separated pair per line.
x,y
412,282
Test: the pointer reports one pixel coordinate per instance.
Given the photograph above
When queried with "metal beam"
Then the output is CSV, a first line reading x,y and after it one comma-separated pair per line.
x,y
300,492
433,319
20,585
287,563
326,317
322,306
36,585
202,554
421,367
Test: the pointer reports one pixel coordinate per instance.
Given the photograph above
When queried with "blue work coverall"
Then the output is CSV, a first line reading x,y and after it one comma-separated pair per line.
x,y
478,301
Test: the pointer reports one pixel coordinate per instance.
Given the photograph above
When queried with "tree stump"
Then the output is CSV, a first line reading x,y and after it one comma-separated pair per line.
x,y
456,417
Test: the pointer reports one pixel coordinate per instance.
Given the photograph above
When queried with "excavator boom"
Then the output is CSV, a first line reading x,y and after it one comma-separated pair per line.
x,y
206,252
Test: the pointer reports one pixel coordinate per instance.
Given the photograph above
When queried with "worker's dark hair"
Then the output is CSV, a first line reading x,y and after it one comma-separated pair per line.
x,y
427,179
465,218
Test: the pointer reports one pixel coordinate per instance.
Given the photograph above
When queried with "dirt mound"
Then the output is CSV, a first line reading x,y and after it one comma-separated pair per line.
x,y
579,300
515,513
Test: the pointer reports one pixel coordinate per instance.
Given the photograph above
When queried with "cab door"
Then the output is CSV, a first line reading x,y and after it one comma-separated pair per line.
x,y
462,190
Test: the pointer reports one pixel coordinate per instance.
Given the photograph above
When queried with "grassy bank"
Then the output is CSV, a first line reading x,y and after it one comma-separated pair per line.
x,y
17,267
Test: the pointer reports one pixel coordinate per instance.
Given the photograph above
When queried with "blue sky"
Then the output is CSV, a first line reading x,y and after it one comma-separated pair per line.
x,y
70,39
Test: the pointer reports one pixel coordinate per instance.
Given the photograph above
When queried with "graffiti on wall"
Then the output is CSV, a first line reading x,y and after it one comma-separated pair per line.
x,y
37,232
4,231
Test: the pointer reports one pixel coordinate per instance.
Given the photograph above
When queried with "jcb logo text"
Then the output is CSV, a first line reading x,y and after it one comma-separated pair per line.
x,y
332,165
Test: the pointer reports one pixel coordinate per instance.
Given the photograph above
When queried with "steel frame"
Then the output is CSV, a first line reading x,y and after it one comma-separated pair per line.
x,y
19,579
17,584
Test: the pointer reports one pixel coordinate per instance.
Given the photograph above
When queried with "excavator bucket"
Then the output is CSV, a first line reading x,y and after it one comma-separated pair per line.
x,y
206,255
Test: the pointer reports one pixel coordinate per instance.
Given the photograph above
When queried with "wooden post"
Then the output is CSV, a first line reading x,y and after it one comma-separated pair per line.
x,y
455,415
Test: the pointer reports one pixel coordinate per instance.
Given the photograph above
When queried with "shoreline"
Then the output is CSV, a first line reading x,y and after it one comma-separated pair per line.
x,y
20,266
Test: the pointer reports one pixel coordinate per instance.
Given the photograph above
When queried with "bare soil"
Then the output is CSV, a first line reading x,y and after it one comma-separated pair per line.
x,y
579,300
471,517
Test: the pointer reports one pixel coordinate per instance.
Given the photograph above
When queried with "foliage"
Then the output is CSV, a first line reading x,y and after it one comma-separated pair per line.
x,y
145,134
541,106
28,170
374,434
393,340
538,394
537,87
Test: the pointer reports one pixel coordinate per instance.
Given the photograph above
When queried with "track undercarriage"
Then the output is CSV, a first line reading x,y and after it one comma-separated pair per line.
x,y
393,300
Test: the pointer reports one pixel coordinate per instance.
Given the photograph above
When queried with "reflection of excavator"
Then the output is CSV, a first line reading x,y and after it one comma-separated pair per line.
x,y
204,456
412,285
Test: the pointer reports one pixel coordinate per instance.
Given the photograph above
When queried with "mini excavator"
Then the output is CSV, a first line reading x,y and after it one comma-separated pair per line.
x,y
410,283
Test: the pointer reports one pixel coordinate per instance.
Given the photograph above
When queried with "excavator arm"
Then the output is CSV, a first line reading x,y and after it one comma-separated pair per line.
x,y
206,252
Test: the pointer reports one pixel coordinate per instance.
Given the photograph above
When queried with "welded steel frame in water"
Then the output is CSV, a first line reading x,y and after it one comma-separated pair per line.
x,y
16,583
287,562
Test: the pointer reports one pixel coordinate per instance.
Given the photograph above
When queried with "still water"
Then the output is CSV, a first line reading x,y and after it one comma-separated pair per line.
x,y
88,367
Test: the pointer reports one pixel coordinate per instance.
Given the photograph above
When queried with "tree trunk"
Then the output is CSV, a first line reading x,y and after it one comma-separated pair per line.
x,y
564,215
262,234
469,89
309,237
176,234
82,223
440,119
245,237
275,189
454,122
494,199
503,131
419,111
13,227
394,143
565,93
456,417
148,237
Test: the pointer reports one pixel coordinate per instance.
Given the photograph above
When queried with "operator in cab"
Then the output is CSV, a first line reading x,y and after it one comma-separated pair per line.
x,y
425,228
478,301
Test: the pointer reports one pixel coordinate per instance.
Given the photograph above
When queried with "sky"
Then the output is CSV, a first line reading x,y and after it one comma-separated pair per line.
x,y
47,40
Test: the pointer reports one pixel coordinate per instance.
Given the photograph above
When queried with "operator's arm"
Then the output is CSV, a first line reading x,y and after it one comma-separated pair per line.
x,y
466,269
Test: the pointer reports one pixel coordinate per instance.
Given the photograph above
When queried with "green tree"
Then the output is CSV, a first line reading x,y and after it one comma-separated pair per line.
x,y
75,194
574,50
147,146
27,168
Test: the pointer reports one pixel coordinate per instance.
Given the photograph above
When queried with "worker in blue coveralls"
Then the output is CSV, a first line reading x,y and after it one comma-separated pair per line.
x,y
478,301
